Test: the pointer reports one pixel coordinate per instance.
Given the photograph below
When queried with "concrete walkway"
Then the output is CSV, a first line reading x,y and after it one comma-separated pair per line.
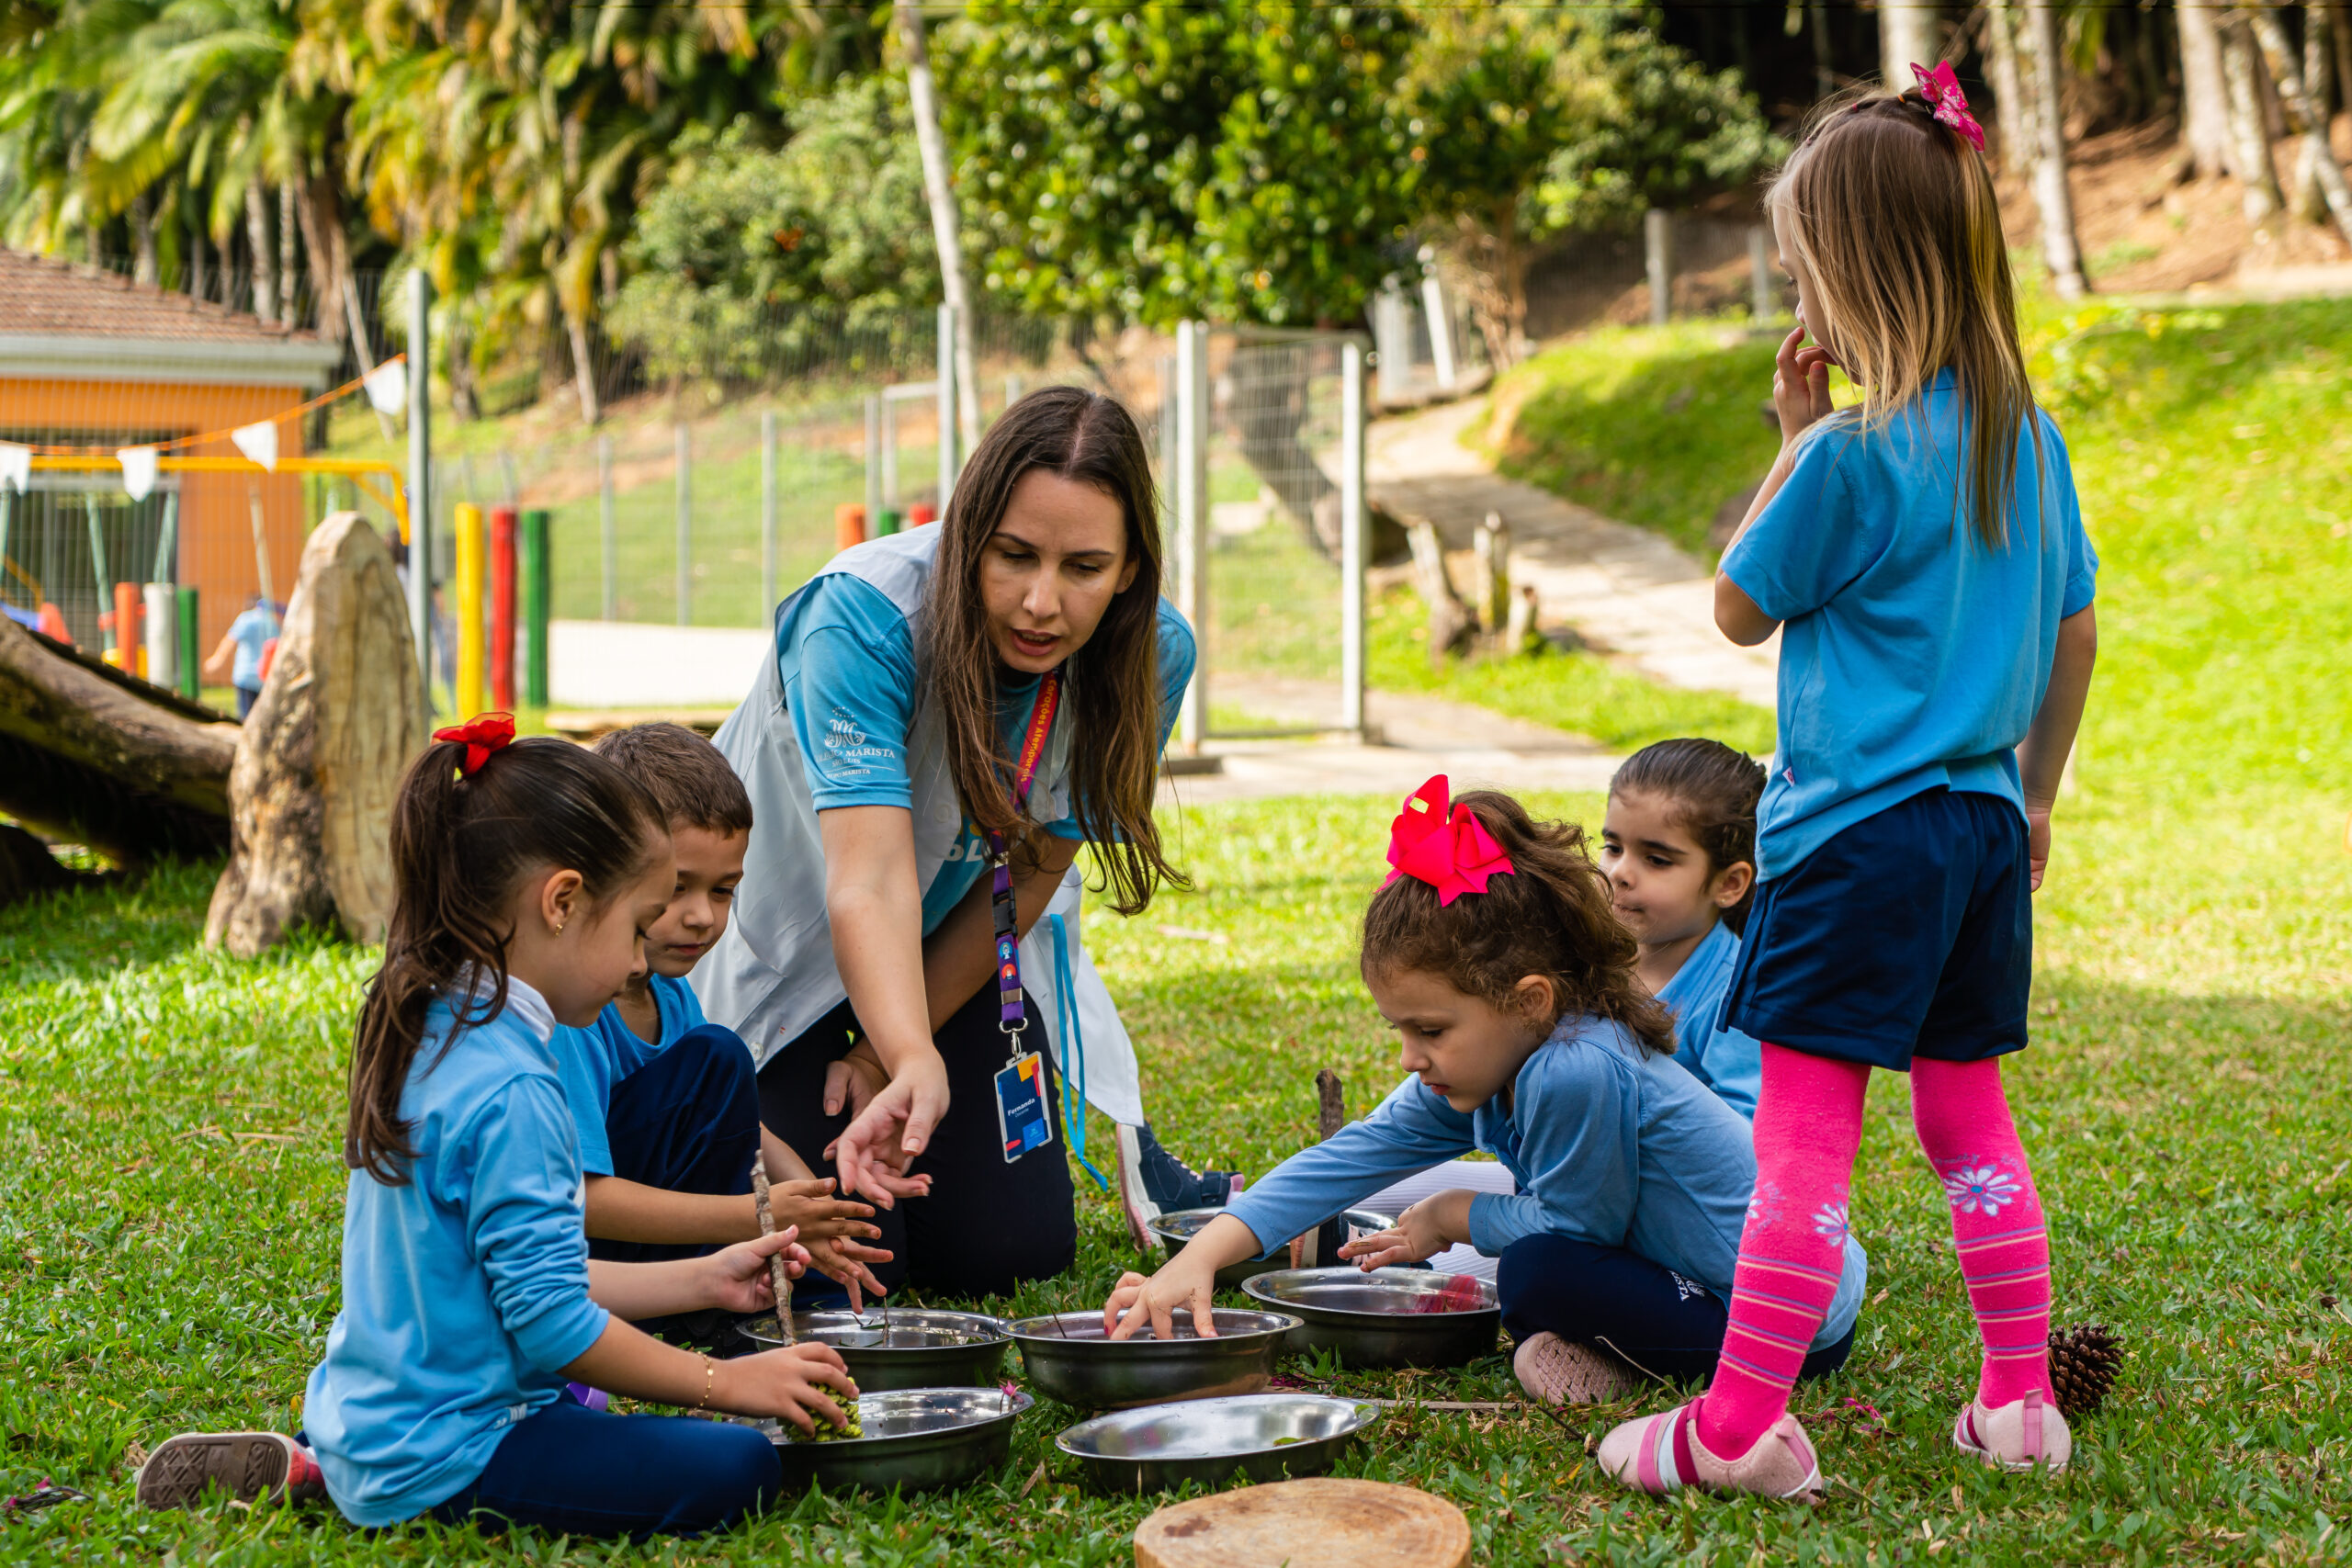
x,y
1625,590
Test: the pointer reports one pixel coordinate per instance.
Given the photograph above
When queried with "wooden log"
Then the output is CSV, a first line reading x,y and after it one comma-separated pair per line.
x,y
92,756
319,759
27,868
1452,625
1324,1522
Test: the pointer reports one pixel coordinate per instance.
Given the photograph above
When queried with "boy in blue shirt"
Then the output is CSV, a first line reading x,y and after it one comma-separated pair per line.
x,y
239,655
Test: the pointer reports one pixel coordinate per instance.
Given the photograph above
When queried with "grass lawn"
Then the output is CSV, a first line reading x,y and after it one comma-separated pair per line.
x,y
170,1186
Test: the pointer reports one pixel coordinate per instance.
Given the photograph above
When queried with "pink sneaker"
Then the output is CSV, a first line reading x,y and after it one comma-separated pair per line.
x,y
2024,1434
1662,1453
1568,1371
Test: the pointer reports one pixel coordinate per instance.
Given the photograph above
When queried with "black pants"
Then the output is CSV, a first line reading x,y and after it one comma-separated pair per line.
x,y
688,1121
1668,1326
987,1226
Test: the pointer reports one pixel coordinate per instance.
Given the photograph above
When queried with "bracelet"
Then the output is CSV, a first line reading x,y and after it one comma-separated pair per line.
x,y
709,1375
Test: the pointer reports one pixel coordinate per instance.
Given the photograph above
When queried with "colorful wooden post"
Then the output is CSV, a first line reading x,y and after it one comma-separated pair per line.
x,y
191,643
849,524
887,523
920,515
129,648
466,690
537,587
162,646
502,608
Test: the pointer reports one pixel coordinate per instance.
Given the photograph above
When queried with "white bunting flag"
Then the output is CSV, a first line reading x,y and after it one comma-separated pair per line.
x,y
16,465
259,443
388,386
138,470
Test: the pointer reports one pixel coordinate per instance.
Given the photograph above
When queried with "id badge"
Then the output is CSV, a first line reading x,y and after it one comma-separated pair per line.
x,y
1020,1114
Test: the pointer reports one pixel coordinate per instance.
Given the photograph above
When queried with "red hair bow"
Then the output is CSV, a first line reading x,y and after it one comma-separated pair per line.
x,y
480,735
1454,854
1941,89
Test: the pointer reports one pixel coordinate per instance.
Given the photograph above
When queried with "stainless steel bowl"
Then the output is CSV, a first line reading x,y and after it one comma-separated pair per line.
x,y
901,1348
1259,1437
1068,1357
918,1440
1178,1226
1390,1317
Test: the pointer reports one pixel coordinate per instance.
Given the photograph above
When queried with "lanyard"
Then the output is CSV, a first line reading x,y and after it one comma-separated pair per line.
x,y
1012,1016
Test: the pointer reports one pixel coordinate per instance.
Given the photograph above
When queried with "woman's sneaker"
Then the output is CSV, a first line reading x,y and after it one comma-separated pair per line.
x,y
1570,1371
2025,1434
251,1467
1662,1453
1172,1184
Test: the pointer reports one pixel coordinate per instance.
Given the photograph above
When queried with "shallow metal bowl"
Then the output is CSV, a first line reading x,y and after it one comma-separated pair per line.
x,y
1068,1357
1390,1317
918,1440
1259,1437
1178,1226
901,1348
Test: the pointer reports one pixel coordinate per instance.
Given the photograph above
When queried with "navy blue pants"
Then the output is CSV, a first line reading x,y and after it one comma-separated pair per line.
x,y
688,1121
1668,1326
588,1473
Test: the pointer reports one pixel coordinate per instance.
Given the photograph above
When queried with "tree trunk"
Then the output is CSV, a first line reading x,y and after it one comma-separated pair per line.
x,y
322,219
1906,37
2010,102
2204,92
196,269
939,192
258,240
288,261
2061,249
96,756
147,270
27,868
2311,199
584,366
2304,113
320,758
2339,33
2249,140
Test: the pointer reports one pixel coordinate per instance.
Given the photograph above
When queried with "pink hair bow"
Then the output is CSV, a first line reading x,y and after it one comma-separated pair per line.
x,y
1451,851
1941,89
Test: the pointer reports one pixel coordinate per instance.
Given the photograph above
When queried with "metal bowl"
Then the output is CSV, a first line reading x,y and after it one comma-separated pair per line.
x,y
1178,1226
1068,1357
1260,1436
1390,1317
900,1347
916,1440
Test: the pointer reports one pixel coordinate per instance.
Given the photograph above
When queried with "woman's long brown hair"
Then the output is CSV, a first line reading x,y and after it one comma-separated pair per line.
x,y
1111,689
1550,916
461,845
1895,218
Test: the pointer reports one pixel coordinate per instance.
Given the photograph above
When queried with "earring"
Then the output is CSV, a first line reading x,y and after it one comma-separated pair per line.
x,y
558,928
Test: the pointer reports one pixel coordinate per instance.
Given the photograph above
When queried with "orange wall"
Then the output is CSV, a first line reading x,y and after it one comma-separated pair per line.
x,y
216,550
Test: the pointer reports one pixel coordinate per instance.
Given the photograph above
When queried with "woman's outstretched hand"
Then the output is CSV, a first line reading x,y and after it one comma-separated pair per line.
x,y
895,1127
1801,384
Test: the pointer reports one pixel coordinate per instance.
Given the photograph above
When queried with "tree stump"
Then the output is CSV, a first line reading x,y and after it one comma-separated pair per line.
x,y
1322,1522
319,759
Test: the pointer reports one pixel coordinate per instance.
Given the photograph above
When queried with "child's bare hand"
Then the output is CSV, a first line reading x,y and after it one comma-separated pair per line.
x,y
2037,843
1801,385
1419,1237
819,1215
853,1080
737,1279
841,1258
788,1384
1137,1301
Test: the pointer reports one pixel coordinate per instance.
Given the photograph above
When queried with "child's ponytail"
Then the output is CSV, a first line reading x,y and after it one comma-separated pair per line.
x,y
470,825
1551,915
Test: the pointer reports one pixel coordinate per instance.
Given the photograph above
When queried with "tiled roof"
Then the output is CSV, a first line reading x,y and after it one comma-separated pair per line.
x,y
45,297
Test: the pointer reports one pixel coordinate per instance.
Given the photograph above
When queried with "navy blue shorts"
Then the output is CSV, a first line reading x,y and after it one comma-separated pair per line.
x,y
1909,934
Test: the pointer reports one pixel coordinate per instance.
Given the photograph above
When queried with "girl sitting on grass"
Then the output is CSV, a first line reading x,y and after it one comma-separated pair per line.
x,y
1493,952
526,874
1679,846
1926,555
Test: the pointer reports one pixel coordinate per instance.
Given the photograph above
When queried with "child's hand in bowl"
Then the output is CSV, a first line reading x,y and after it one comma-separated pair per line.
x,y
1137,1301
1423,1231
788,1384
737,1277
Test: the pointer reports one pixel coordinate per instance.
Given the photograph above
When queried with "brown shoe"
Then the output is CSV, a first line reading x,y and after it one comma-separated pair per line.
x,y
252,1467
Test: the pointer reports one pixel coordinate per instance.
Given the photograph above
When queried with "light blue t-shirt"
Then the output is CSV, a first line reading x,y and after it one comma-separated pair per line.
x,y
465,1291
1610,1144
846,659
251,631
591,1060
1726,1060
1911,656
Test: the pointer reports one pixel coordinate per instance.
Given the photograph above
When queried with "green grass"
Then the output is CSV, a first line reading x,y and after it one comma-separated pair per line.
x,y
169,1180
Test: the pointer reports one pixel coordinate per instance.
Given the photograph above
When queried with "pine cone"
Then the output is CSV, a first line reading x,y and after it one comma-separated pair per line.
x,y
2084,1360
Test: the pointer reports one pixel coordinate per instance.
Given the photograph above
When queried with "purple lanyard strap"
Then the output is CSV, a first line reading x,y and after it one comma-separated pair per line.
x,y
1012,1017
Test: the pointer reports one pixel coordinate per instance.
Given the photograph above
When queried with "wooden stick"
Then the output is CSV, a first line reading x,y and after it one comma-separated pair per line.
x,y
782,1280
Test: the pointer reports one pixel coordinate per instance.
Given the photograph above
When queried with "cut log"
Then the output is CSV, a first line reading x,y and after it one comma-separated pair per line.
x,y
1325,1522
104,759
320,761
27,868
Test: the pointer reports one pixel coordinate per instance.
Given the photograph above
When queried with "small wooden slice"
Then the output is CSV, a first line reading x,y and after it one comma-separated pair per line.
x,y
1320,1523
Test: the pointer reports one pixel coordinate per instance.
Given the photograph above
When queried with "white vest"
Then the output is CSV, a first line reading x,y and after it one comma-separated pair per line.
x,y
771,974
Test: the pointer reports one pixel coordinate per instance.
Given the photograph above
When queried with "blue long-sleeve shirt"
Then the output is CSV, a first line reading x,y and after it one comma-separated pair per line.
x,y
1609,1143
591,1060
1726,1060
465,1291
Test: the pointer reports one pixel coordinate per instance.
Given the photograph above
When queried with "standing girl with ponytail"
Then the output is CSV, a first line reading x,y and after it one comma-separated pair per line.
x,y
527,873
1925,554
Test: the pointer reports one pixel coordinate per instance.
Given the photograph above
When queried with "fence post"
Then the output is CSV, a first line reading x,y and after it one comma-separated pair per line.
x,y
1657,241
159,615
947,465
1193,517
685,441
1434,305
767,510
466,690
611,601
191,643
420,473
1761,301
874,416
1392,335
539,583
1351,537
502,608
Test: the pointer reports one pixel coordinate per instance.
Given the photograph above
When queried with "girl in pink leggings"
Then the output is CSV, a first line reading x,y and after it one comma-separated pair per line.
x,y
1924,558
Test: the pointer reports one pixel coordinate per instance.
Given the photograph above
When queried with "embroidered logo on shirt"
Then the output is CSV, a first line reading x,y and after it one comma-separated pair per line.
x,y
849,747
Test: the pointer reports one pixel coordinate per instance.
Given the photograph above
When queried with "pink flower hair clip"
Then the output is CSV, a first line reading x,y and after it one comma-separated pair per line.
x,y
1941,89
